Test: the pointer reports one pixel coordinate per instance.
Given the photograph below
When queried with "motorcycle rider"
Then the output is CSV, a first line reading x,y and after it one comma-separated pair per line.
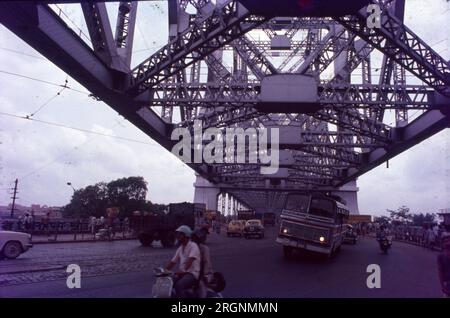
x,y
188,257
382,235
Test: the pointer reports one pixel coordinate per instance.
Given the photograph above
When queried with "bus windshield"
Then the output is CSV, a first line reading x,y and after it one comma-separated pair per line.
x,y
322,207
297,203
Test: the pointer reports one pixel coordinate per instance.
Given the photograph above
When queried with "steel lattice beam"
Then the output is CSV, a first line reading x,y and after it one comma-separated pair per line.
x,y
223,26
403,46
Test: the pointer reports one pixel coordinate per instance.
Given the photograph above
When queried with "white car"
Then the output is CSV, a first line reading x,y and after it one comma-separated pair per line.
x,y
12,244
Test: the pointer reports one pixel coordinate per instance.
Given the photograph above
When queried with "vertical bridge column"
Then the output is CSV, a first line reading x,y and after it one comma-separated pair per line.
x,y
206,192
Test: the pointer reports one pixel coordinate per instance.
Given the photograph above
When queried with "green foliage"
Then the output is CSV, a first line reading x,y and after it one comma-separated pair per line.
x,y
402,216
382,219
422,219
92,200
128,194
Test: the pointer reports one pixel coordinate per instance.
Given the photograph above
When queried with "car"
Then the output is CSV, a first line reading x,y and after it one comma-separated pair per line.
x,y
12,244
350,235
235,227
253,228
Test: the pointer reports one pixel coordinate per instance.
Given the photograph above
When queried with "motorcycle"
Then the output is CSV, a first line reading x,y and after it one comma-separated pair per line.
x,y
163,286
385,244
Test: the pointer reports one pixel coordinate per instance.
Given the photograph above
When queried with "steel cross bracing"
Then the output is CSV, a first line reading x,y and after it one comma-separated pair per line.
x,y
213,69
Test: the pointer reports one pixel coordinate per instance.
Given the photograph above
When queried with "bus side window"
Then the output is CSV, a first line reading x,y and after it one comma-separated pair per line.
x,y
340,218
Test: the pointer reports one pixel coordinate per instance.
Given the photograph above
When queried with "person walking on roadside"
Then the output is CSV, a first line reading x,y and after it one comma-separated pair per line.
x,y
431,238
45,223
443,261
93,225
28,222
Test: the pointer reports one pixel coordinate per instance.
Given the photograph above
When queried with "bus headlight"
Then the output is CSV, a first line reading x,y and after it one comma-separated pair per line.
x,y
285,231
322,239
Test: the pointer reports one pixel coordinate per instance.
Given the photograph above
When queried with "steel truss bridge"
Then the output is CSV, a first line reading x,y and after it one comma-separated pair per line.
x,y
232,63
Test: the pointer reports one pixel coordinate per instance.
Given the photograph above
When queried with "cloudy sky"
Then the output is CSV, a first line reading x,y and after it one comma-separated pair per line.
x,y
45,156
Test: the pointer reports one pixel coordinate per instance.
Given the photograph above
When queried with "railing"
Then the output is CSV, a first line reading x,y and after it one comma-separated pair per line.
x,y
70,231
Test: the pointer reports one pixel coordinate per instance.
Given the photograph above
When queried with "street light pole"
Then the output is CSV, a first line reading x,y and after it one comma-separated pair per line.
x,y
70,184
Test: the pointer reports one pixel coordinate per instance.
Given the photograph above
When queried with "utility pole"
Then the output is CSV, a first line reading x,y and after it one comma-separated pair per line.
x,y
14,198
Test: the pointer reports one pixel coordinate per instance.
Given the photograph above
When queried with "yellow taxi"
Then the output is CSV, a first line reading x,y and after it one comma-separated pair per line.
x,y
235,227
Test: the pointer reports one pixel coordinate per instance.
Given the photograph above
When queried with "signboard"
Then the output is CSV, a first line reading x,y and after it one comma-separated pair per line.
x,y
358,218
112,212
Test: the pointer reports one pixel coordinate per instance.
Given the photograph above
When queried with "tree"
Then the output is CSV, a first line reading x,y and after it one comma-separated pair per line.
x,y
382,219
89,201
128,194
400,216
422,219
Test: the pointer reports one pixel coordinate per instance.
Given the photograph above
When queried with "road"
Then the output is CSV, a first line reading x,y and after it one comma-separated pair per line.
x,y
253,268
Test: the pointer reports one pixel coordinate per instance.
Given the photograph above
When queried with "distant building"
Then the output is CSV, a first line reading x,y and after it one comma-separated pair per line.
x,y
35,209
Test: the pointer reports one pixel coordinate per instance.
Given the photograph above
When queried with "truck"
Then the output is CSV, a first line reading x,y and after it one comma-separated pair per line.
x,y
161,226
245,215
269,219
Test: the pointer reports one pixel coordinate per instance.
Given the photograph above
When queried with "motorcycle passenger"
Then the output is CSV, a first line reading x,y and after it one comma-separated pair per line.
x,y
188,258
206,272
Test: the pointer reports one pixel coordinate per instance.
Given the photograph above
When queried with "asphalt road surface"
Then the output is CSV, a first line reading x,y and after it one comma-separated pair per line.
x,y
253,268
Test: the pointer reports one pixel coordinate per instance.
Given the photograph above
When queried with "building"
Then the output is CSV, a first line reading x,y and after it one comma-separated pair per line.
x,y
35,209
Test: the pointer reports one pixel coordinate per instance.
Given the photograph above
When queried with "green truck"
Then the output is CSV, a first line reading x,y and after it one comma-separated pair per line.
x,y
152,226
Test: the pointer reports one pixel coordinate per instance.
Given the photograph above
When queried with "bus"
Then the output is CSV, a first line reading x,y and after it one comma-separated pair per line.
x,y
313,222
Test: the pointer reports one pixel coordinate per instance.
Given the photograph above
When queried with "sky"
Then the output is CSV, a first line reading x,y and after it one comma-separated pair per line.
x,y
45,156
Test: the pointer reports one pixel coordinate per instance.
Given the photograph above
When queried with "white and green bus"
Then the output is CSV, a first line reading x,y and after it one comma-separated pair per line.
x,y
313,222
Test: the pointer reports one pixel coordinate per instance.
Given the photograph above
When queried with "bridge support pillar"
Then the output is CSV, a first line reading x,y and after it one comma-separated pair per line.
x,y
206,192
349,192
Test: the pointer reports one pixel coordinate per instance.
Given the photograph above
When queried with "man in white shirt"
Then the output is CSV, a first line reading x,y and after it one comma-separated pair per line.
x,y
188,258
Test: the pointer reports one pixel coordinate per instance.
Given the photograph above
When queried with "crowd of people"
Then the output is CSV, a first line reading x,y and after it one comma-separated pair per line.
x,y
107,226
428,236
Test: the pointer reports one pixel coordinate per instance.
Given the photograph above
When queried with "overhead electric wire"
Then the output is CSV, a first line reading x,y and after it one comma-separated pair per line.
x,y
76,128
47,102
23,53
44,81
58,157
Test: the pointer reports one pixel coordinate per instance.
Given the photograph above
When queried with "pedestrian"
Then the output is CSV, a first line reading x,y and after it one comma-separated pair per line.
x,y
444,261
98,224
28,222
126,225
93,225
431,238
425,236
45,223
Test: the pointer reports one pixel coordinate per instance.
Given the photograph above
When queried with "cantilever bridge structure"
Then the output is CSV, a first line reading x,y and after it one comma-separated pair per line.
x,y
304,67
